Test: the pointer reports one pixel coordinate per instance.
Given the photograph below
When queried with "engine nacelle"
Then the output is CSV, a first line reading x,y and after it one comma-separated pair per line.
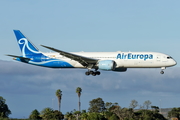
x,y
106,65
122,69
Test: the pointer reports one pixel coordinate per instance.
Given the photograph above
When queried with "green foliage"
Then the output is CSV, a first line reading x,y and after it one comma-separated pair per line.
x,y
107,114
35,115
98,110
77,115
4,110
96,116
4,119
13,119
96,105
59,93
155,109
148,115
59,96
77,112
175,112
78,91
110,105
49,114
69,116
147,104
57,115
84,116
133,104
123,113
113,117
83,111
110,115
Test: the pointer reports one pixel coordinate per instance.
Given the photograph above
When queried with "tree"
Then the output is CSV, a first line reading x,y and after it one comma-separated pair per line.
x,y
110,115
78,91
77,114
46,113
59,96
133,104
108,105
35,115
69,116
95,116
175,112
155,109
123,113
150,115
49,114
147,104
84,116
4,110
113,117
96,105
57,115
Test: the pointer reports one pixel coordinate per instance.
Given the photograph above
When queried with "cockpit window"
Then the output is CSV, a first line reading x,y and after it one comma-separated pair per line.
x,y
169,57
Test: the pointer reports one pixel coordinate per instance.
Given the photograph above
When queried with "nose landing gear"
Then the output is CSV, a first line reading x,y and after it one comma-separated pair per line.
x,y
162,70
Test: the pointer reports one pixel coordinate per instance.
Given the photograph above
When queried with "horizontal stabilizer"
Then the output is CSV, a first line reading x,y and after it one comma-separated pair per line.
x,y
20,57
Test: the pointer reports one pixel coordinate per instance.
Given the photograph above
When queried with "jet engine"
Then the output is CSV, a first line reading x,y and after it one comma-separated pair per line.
x,y
107,65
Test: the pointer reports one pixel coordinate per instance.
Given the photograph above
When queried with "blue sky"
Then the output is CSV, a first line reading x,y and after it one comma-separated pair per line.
x,y
80,25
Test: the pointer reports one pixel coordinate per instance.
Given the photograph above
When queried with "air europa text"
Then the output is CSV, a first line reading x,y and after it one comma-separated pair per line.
x,y
134,56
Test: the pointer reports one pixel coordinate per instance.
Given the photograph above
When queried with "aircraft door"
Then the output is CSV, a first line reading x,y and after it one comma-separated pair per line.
x,y
158,58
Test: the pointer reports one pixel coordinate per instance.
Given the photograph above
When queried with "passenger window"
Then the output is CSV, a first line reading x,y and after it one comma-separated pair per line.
x,y
169,57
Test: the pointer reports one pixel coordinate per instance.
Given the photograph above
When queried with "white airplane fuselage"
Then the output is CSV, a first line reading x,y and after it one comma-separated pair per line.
x,y
110,61
123,59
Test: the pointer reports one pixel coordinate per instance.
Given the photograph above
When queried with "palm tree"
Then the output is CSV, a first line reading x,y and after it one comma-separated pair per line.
x,y
59,96
35,115
78,91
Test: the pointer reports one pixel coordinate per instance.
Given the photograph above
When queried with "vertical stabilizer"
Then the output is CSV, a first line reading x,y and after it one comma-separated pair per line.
x,y
26,47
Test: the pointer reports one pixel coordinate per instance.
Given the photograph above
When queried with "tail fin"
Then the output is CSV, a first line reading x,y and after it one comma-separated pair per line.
x,y
26,47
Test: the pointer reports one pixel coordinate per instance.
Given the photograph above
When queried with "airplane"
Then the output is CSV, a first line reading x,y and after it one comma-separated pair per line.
x,y
109,61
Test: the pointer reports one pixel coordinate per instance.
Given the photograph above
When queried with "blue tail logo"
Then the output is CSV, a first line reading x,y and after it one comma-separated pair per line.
x,y
26,47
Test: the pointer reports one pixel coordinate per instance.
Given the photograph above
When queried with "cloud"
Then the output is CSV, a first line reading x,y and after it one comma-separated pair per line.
x,y
25,83
14,74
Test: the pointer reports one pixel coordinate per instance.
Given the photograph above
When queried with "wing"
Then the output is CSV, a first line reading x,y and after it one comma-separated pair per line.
x,y
85,61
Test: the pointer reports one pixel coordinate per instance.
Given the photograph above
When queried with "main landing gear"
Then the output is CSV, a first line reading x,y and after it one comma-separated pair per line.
x,y
93,73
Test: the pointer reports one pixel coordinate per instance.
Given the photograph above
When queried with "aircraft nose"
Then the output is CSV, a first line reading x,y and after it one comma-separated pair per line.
x,y
174,62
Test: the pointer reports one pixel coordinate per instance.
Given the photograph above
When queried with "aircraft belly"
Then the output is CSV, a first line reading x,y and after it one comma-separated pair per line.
x,y
138,64
53,64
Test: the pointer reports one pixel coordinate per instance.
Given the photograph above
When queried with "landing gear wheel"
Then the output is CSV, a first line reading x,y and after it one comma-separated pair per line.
x,y
93,74
98,73
87,73
162,72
